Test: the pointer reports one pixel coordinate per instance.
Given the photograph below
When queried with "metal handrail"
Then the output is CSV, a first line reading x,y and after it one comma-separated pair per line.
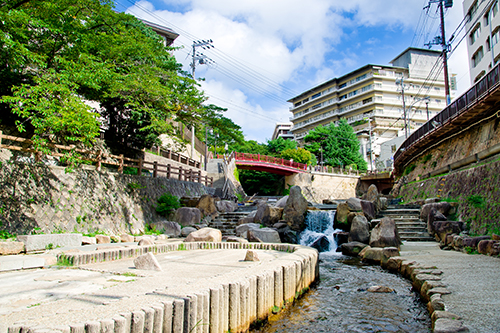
x,y
488,83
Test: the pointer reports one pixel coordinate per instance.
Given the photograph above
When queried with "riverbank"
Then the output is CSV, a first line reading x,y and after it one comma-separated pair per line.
x,y
471,280
198,290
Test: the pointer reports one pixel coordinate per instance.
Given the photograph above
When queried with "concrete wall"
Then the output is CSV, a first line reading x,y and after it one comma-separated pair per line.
x,y
229,307
318,186
55,199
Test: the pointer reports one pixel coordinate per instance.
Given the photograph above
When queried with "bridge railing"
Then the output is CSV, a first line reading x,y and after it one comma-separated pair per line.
x,y
487,84
269,159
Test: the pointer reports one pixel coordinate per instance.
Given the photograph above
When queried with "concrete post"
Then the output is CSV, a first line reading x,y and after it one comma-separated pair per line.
x,y
206,312
178,315
92,327
138,321
128,321
225,312
278,288
214,310
158,318
107,326
191,319
234,306
120,324
76,328
168,316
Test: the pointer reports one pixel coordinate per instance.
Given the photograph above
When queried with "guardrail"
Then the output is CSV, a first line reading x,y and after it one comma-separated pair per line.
x,y
171,155
267,159
461,104
98,158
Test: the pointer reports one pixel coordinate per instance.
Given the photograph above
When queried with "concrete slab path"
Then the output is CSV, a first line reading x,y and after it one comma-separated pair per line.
x,y
472,279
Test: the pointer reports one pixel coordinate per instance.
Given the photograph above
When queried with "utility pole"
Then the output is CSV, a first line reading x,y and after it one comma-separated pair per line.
x,y
201,59
401,81
427,109
441,40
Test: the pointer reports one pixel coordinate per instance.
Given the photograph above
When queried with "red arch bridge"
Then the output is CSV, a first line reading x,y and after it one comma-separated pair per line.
x,y
267,163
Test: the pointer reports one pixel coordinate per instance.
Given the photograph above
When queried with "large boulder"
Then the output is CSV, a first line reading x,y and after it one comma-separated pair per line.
x,y
242,229
340,220
187,216
187,230
281,203
147,262
189,201
354,204
473,241
206,205
205,235
352,249
445,228
226,206
486,246
434,215
373,196
287,235
360,230
442,207
263,235
371,254
385,234
268,215
169,228
322,244
295,209
369,209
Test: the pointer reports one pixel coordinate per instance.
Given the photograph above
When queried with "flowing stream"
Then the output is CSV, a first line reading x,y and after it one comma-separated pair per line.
x,y
341,302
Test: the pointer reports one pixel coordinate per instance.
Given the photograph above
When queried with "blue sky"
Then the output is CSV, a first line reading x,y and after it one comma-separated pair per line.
x,y
266,52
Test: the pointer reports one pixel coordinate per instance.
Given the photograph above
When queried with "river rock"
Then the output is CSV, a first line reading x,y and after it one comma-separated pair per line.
x,y
281,203
443,207
385,234
485,246
86,240
387,253
352,249
251,255
234,239
473,241
495,237
147,262
322,244
205,235
146,241
187,230
369,209
444,228
187,216
373,196
169,228
295,209
445,325
354,204
226,206
380,289
126,238
340,220
263,235
243,228
371,254
268,215
102,239
360,230
8,248
206,205
433,216
189,201
287,235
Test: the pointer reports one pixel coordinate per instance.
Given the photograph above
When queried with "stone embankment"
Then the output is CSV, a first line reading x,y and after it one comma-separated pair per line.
x,y
203,287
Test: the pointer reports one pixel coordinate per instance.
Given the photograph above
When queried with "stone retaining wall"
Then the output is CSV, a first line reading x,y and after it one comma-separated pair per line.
x,y
230,307
318,186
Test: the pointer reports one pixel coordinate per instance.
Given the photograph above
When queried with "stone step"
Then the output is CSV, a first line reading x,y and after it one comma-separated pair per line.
x,y
424,238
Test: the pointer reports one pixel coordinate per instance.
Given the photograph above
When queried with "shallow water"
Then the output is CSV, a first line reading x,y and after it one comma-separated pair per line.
x,y
340,302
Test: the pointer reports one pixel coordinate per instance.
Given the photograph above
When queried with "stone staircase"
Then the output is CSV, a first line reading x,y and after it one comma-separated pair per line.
x,y
407,218
227,222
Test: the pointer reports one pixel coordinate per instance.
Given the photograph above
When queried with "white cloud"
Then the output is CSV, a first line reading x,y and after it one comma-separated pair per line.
x,y
289,42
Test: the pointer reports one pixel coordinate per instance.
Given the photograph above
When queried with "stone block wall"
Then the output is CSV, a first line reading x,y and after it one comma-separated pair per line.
x,y
54,199
317,186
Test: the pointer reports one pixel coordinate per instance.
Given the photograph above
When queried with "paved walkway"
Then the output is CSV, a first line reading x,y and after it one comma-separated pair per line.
x,y
474,282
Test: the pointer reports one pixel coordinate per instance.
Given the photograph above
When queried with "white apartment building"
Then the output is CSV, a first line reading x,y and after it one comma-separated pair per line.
x,y
370,98
482,25
283,130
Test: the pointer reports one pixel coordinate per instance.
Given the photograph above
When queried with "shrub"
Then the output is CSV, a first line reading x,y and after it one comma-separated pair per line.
x,y
409,169
166,204
476,201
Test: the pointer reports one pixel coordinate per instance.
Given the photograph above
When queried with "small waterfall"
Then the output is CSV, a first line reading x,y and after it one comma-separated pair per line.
x,y
319,232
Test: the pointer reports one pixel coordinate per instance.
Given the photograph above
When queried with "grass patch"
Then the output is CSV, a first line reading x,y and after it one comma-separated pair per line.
x,y
63,260
477,201
470,250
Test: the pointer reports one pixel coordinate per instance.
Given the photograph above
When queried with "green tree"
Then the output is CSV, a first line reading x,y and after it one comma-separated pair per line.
x,y
57,54
276,146
338,144
299,155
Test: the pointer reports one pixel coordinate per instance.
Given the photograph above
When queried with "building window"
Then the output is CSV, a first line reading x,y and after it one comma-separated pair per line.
x,y
297,104
495,8
342,97
474,35
316,95
477,57
472,11
343,85
314,107
368,100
